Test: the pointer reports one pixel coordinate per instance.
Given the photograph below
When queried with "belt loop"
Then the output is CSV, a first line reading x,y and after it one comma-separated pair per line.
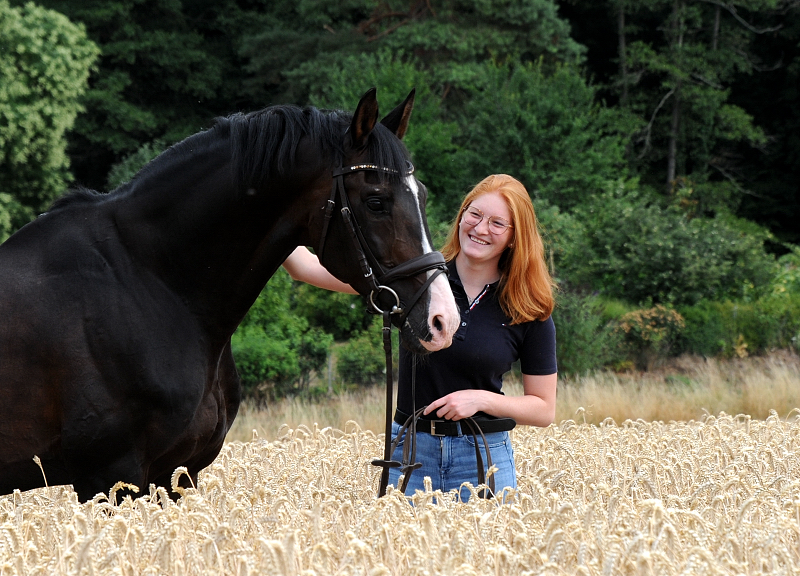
x,y
460,431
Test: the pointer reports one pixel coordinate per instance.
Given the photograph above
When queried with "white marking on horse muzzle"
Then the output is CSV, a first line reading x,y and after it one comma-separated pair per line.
x,y
442,310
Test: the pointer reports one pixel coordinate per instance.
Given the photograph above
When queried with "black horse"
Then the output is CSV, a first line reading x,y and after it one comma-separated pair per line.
x,y
116,310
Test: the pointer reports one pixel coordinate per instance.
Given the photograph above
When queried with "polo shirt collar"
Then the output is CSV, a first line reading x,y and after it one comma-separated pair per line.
x,y
456,279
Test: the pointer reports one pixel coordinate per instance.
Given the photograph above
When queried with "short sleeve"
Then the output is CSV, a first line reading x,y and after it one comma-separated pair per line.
x,y
538,352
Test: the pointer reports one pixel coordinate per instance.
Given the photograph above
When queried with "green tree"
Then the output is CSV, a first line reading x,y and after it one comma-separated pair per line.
x,y
679,82
547,129
639,250
302,41
298,43
771,95
167,69
746,54
431,136
44,63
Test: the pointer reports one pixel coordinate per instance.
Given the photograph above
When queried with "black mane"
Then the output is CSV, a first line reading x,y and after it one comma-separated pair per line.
x,y
78,196
264,146
264,143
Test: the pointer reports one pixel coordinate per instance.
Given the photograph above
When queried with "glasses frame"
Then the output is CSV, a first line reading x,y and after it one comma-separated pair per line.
x,y
491,220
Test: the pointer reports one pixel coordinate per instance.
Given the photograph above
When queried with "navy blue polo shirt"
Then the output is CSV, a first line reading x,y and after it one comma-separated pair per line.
x,y
483,349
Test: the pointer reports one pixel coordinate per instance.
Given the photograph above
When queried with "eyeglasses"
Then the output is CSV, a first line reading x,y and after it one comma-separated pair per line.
x,y
473,217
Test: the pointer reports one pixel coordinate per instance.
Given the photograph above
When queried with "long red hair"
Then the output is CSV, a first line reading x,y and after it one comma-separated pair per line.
x,y
526,288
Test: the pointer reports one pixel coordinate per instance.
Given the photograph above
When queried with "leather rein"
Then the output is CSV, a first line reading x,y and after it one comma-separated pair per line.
x,y
431,261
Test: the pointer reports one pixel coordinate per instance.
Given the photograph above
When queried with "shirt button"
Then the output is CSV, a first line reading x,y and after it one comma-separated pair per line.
x,y
463,323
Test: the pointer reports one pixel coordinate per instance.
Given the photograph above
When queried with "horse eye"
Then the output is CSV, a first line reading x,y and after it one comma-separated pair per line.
x,y
375,205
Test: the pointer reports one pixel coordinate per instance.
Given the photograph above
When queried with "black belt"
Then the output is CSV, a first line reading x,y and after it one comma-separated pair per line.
x,y
453,428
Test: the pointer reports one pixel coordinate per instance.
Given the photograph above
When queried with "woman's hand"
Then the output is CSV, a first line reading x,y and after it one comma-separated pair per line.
x,y
536,407
458,405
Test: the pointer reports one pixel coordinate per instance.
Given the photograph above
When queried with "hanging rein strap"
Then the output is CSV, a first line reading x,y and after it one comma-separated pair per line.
x,y
408,465
387,461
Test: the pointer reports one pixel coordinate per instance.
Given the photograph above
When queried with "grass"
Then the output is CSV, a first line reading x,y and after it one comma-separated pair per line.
x,y
366,407
688,388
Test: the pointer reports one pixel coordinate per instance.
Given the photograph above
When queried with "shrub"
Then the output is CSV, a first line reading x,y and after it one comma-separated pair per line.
x,y
267,366
362,361
585,339
741,328
339,314
637,250
276,351
787,276
706,332
648,334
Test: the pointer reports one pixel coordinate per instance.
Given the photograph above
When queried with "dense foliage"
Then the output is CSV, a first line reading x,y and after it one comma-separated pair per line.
x,y
658,140
44,63
277,351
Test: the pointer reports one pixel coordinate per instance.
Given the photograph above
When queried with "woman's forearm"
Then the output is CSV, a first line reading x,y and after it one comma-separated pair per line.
x,y
304,266
537,407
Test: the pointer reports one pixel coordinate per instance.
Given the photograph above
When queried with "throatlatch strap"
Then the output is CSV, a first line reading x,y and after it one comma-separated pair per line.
x,y
414,266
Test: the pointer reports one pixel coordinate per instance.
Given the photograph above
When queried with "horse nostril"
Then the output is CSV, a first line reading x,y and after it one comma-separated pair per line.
x,y
437,323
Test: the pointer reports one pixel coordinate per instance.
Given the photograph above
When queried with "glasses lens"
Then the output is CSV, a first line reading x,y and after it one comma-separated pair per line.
x,y
472,216
498,225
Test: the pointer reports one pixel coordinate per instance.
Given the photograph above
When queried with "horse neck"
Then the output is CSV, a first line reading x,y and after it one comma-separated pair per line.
x,y
188,224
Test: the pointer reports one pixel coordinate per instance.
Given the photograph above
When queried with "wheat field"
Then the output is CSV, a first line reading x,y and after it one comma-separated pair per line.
x,y
720,495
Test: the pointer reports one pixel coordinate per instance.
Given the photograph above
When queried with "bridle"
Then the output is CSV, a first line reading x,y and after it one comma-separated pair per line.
x,y
431,261
375,274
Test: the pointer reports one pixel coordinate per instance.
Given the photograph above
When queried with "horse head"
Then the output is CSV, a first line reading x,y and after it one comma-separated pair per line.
x,y
375,234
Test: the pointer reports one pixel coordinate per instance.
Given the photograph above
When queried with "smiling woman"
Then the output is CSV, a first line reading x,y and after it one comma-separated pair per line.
x,y
501,285
504,292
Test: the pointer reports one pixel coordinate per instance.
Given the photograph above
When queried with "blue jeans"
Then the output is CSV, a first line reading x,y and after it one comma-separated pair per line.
x,y
450,461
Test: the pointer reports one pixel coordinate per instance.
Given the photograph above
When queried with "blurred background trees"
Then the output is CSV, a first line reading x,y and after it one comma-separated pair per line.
x,y
45,61
658,139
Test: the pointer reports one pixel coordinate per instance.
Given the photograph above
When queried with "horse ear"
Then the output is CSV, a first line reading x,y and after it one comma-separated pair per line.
x,y
397,119
364,119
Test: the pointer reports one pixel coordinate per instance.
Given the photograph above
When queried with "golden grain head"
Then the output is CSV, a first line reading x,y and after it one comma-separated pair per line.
x,y
717,495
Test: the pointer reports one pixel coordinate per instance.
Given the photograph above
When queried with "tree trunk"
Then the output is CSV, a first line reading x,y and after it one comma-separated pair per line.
x,y
677,46
673,137
623,62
